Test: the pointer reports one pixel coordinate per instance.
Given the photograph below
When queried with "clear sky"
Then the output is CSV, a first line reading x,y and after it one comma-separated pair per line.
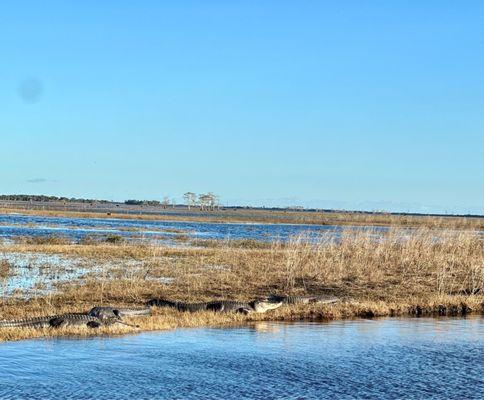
x,y
353,104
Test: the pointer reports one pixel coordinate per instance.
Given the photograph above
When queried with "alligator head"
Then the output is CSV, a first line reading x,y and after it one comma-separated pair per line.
x,y
105,313
264,304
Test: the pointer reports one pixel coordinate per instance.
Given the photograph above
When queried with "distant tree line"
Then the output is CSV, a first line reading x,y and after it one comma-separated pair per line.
x,y
41,197
204,201
143,202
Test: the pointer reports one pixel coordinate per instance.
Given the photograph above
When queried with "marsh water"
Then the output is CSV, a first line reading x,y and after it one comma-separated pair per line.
x,y
169,232
357,359
39,273
33,274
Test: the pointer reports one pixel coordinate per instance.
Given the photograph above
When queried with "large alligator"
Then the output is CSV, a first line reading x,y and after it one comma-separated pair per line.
x,y
55,321
118,312
318,299
258,306
94,318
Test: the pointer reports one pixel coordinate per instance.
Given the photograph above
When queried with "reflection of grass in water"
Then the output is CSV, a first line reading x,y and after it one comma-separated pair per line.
x,y
402,272
180,238
176,230
163,238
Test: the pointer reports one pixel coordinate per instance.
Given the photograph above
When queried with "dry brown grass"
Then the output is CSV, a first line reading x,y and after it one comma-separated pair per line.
x,y
43,240
404,272
5,268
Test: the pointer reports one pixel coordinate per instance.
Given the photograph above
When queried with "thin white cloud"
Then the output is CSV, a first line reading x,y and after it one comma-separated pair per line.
x,y
40,180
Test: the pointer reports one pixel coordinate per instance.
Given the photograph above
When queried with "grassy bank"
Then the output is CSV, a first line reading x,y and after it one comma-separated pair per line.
x,y
423,272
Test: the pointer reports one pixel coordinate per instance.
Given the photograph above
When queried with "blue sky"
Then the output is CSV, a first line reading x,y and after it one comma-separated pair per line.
x,y
356,104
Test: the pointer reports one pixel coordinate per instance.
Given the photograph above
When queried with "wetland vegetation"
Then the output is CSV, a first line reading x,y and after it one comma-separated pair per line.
x,y
385,273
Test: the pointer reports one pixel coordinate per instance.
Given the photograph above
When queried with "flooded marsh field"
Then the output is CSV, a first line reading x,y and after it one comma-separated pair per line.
x,y
373,273
165,232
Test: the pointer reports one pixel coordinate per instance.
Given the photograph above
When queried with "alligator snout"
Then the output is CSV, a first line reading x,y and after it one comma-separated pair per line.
x,y
264,305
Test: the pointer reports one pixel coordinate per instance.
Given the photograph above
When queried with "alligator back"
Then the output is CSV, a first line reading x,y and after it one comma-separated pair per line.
x,y
179,305
323,299
216,306
320,299
117,312
75,320
54,321
161,303
229,306
191,307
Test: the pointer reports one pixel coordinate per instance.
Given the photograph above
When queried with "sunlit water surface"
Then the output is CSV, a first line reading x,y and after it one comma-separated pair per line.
x,y
377,359
168,232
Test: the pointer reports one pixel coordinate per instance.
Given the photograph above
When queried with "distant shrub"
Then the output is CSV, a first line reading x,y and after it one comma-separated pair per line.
x,y
114,239
152,202
134,202
89,240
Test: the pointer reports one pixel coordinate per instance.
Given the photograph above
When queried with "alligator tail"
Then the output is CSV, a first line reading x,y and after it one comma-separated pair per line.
x,y
37,322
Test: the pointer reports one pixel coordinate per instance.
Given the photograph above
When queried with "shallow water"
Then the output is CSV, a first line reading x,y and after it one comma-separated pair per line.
x,y
37,273
377,359
164,231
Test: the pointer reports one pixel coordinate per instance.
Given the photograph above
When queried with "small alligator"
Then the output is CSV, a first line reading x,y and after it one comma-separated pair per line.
x,y
55,321
258,306
318,299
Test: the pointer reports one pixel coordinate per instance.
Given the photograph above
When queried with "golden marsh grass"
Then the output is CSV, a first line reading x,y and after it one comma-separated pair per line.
x,y
399,272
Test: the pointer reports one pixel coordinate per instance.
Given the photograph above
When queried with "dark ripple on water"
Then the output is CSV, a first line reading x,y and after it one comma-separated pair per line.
x,y
380,359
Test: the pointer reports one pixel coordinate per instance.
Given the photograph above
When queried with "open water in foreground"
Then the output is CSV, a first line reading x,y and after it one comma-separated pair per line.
x,y
357,359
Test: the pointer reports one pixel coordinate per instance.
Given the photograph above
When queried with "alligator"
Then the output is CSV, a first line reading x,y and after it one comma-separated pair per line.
x,y
55,321
94,318
98,316
258,306
318,299
117,312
